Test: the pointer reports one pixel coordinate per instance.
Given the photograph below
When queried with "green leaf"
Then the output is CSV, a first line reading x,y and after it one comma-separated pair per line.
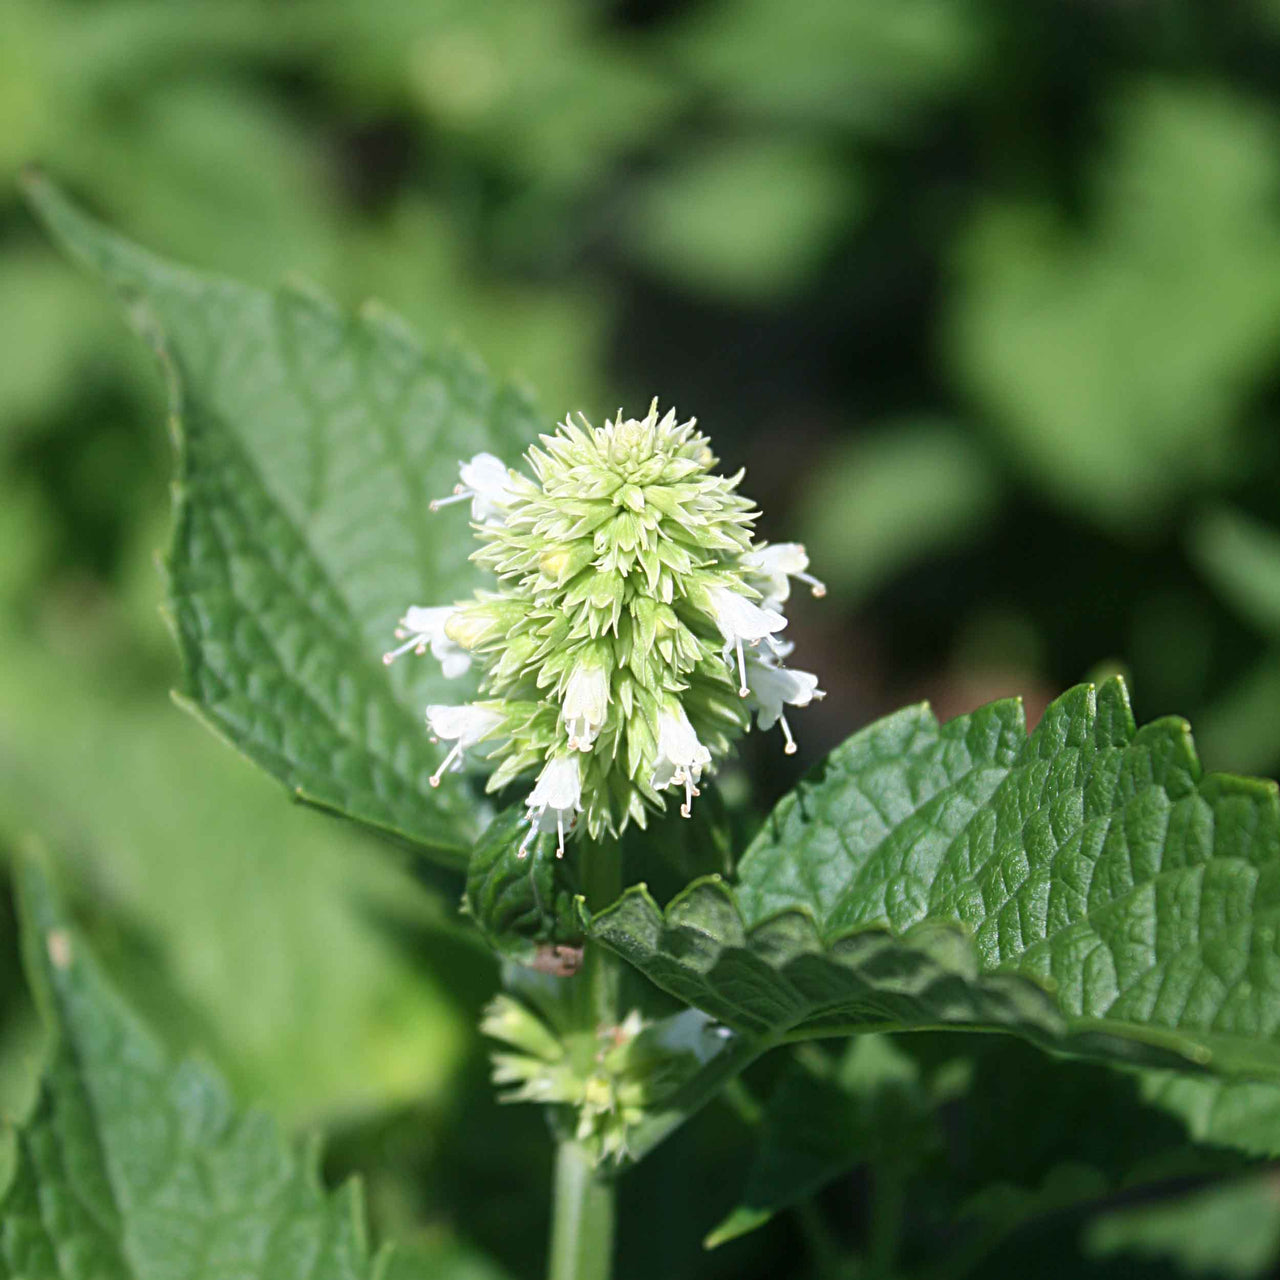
x,y
1117,360
1241,557
309,445
1086,887
869,65
1231,1230
258,928
886,499
750,220
136,1167
826,1117
1244,1114
1241,730
523,903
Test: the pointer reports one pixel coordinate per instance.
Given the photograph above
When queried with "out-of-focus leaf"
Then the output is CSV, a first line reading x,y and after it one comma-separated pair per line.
x,y
1231,1230
263,917
1241,557
52,324
1241,730
444,1259
417,260
749,220
869,64
1243,1114
823,1119
889,498
1103,1139
134,1166
1086,887
310,444
1115,363
535,87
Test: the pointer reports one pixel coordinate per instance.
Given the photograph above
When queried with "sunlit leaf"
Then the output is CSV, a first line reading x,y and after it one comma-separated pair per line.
x,y
1086,886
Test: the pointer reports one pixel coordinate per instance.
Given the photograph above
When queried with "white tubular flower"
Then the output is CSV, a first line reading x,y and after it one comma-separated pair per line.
x,y
773,566
487,482
773,687
741,621
586,705
422,628
681,757
464,726
555,799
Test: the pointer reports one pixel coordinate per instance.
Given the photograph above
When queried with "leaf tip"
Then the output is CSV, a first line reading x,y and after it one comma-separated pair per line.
x,y
740,1222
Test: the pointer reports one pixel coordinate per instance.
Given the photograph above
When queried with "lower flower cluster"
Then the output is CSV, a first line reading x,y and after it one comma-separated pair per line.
x,y
608,1079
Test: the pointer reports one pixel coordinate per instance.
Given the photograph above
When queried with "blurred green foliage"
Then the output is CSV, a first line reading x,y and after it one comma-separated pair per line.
x,y
986,296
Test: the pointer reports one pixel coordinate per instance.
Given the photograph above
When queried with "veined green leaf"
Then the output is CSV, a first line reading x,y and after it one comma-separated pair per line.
x,y
309,444
1086,887
136,1167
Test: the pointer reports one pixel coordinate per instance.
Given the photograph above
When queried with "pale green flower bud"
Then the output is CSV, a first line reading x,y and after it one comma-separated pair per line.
x,y
610,1077
635,626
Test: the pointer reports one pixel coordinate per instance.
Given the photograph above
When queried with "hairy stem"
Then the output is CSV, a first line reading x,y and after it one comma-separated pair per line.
x,y
583,1211
582,1226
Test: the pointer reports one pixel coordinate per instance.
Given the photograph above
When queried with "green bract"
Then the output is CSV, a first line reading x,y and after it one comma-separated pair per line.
x,y
635,626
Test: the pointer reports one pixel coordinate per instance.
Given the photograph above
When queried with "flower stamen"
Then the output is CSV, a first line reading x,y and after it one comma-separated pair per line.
x,y
416,643
454,752
460,494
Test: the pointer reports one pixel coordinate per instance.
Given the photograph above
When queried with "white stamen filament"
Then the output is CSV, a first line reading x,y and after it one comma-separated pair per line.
x,y
742,673
686,809
454,752
460,494
415,643
790,748
817,587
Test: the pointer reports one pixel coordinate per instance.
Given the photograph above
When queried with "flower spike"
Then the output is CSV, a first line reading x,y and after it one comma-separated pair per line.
x,y
633,630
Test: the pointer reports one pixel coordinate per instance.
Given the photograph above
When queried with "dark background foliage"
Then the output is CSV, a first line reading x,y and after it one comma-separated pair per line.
x,y
984,295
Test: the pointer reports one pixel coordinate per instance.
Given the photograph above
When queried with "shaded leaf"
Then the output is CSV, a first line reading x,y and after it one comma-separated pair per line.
x,y
1244,1114
1231,1230
826,1117
749,220
868,64
136,1167
262,925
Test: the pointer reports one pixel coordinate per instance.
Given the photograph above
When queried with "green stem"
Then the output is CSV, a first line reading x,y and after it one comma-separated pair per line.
x,y
887,1208
582,1227
827,1262
583,1209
